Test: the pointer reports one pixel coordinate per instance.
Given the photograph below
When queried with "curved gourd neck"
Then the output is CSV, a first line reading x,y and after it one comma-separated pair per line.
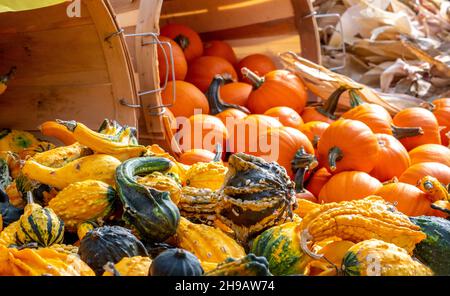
x,y
216,105
301,164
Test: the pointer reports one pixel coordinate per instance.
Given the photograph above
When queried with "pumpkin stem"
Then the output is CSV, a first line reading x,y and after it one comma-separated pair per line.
x,y
334,155
219,152
330,106
180,253
216,105
5,78
302,163
428,105
405,132
71,125
256,80
182,41
315,141
355,99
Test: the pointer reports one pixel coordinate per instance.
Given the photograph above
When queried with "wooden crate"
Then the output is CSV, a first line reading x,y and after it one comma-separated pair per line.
x,y
250,26
67,68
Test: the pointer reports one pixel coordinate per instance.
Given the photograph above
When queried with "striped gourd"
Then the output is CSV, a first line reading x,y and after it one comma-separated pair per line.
x,y
39,225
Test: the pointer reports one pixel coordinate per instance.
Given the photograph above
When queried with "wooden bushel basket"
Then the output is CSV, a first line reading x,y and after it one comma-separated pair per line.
x,y
67,67
250,26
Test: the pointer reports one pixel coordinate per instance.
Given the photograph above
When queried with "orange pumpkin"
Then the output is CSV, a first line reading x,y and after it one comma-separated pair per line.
x,y
203,132
284,142
188,98
441,110
179,61
236,93
277,88
349,186
419,170
58,131
430,153
407,198
393,159
377,118
314,130
196,155
326,112
287,116
202,71
348,145
422,118
318,179
258,63
221,49
245,133
305,194
186,38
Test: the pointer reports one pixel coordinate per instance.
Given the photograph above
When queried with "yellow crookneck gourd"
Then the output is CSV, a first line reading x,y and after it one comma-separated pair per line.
x,y
100,167
61,156
103,143
437,193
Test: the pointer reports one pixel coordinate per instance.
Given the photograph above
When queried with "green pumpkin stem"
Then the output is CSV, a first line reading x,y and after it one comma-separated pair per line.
x,y
405,132
355,99
256,80
302,163
330,106
216,105
334,155
182,41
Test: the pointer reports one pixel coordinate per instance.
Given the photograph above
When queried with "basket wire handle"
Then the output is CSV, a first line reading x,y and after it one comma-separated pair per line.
x,y
167,56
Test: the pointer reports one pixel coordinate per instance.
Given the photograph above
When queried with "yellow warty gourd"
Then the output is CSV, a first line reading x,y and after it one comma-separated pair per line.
x,y
162,182
100,167
209,175
83,201
132,266
209,244
8,235
60,156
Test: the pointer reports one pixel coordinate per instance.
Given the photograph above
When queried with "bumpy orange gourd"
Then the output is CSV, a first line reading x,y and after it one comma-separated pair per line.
x,y
419,170
430,153
393,158
360,220
348,145
422,118
348,186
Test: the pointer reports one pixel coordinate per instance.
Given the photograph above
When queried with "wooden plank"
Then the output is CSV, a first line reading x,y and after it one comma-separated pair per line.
x,y
43,19
206,15
121,6
119,66
26,108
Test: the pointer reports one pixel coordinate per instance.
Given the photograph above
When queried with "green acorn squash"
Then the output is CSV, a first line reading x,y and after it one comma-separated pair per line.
x,y
151,212
109,244
435,249
250,265
176,262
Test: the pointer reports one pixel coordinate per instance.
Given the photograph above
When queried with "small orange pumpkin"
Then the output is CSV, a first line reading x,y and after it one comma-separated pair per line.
x,y
314,130
349,186
188,98
276,88
430,153
287,116
419,170
186,38
236,93
202,71
179,61
422,118
393,159
221,49
203,132
192,156
258,63
348,145
441,110
318,179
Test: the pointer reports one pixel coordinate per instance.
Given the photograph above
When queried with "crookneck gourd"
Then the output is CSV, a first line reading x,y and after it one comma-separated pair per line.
x,y
113,144
359,220
124,133
83,201
162,182
61,156
256,195
40,262
249,265
198,205
39,225
378,258
151,212
100,167
209,244
109,244
280,245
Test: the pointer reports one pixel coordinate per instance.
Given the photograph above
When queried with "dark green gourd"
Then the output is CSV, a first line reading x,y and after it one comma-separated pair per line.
x,y
151,212
176,262
109,244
